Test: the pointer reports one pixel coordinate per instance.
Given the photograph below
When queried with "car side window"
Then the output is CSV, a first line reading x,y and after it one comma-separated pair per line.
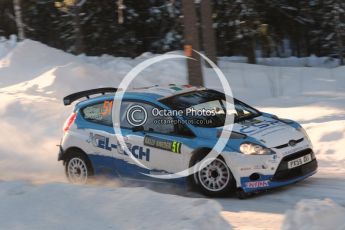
x,y
125,106
99,113
157,123
153,123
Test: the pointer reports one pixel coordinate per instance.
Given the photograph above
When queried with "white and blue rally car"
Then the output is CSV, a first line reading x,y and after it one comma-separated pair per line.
x,y
263,151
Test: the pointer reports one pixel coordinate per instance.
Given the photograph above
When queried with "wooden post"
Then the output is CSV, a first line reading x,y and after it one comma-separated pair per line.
x,y
191,37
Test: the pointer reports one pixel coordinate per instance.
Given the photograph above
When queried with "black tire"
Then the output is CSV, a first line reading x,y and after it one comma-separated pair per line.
x,y
77,162
242,195
199,183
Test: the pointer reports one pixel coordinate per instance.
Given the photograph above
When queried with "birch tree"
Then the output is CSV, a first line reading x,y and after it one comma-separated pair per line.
x,y
19,19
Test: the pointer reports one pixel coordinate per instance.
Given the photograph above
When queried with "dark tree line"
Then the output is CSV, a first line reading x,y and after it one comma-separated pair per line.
x,y
129,27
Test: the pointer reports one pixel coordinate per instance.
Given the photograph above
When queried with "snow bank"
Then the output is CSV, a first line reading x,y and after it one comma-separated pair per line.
x,y
37,69
7,45
85,207
316,215
45,71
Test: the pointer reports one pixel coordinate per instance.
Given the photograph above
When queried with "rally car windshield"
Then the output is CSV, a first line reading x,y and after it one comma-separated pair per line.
x,y
207,108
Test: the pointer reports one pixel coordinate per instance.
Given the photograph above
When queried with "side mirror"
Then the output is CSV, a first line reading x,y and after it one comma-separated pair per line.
x,y
139,128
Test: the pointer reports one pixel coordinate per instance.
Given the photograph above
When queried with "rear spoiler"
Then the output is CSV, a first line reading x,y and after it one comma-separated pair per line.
x,y
75,96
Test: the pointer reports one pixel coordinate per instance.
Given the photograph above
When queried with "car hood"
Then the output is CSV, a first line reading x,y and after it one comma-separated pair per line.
x,y
268,131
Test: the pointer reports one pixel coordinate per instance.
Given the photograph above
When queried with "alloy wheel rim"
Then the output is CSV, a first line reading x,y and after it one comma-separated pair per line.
x,y
215,176
77,171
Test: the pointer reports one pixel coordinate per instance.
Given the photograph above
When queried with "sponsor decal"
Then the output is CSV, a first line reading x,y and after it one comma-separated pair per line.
x,y
159,143
100,141
245,168
257,126
103,142
121,149
257,184
257,167
250,122
274,159
276,129
138,152
107,108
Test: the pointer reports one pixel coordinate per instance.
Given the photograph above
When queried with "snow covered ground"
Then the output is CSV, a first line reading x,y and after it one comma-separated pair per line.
x,y
64,206
315,214
33,80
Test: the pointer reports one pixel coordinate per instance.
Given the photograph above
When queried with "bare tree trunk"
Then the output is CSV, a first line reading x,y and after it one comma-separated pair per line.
x,y
250,50
19,19
339,34
191,37
341,48
208,36
79,43
120,8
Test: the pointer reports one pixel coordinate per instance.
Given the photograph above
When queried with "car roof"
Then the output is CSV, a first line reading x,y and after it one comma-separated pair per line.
x,y
151,93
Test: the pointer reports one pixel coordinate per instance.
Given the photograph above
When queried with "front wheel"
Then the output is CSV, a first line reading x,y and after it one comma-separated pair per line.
x,y
214,179
78,168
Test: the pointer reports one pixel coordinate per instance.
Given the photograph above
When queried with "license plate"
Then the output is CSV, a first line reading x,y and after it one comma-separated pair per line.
x,y
299,161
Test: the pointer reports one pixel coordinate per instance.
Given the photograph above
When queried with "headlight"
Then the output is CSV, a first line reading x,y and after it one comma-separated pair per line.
x,y
254,149
305,134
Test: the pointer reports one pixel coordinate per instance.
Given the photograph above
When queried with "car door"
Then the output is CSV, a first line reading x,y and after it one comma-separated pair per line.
x,y
157,144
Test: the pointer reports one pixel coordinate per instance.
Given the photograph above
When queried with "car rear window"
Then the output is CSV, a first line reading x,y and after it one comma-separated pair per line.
x,y
99,113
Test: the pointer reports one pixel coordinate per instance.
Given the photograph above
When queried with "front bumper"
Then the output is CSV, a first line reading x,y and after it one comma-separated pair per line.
x,y
285,174
61,153
282,176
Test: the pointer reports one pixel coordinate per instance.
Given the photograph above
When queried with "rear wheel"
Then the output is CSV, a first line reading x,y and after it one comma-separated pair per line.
x,y
78,168
214,179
